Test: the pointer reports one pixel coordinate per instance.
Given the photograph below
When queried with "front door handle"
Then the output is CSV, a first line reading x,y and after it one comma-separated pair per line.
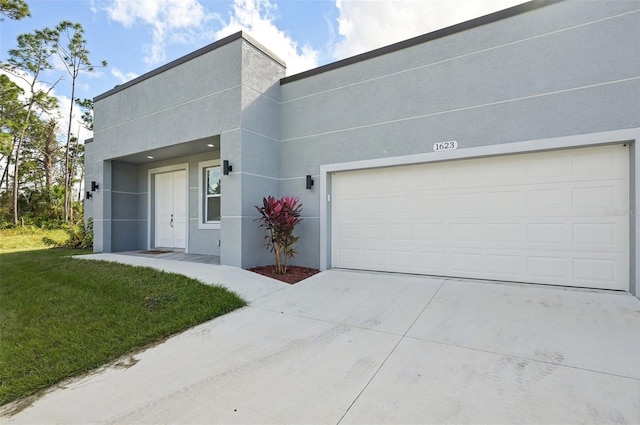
x,y
171,223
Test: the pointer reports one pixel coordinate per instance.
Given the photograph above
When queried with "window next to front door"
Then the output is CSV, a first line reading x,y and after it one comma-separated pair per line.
x,y
210,192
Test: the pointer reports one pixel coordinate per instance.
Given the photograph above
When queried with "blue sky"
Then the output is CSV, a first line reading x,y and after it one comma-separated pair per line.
x,y
136,36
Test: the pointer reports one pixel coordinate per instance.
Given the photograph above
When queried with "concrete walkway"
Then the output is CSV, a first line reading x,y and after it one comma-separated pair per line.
x,y
248,285
360,348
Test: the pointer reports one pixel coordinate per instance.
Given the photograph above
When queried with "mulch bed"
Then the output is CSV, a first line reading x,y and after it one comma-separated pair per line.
x,y
294,273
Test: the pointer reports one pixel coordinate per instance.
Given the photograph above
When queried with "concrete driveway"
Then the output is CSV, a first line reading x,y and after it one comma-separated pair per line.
x,y
360,348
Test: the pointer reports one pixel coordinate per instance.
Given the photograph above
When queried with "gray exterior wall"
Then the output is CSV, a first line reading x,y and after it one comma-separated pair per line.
x,y
543,75
227,93
254,155
563,69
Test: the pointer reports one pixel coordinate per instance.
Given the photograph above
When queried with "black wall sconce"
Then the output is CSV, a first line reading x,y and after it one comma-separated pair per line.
x,y
94,186
88,196
309,182
226,167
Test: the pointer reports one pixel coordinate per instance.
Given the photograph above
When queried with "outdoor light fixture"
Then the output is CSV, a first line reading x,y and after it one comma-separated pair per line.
x,y
226,167
94,186
309,182
89,196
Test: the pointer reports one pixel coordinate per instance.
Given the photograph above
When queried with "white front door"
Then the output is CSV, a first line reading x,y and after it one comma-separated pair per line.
x,y
171,209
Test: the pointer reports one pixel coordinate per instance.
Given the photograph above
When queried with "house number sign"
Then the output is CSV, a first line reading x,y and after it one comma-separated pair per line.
x,y
445,146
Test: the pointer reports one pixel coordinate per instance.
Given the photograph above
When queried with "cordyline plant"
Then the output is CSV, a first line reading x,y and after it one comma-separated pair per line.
x,y
280,217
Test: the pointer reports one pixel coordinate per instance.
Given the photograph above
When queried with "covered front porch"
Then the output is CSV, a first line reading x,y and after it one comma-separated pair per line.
x,y
159,199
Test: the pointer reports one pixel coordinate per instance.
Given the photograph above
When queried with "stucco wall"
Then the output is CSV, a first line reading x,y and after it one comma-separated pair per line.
x,y
254,154
563,69
194,100
228,92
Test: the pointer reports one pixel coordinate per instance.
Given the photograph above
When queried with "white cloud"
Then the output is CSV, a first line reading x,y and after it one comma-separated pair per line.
x,y
367,25
123,77
258,17
61,113
77,129
170,20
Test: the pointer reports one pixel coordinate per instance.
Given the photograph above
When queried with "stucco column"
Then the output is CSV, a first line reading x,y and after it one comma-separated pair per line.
x,y
231,200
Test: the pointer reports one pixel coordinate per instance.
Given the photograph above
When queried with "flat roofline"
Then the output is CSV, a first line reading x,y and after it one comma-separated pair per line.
x,y
444,32
206,49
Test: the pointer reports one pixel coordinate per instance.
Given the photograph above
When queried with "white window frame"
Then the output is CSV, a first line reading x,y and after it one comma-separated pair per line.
x,y
202,166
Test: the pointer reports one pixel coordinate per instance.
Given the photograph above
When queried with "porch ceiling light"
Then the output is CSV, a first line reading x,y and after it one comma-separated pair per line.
x,y
211,145
149,157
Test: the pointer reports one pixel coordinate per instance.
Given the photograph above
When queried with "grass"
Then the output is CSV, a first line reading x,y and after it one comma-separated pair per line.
x,y
61,317
28,237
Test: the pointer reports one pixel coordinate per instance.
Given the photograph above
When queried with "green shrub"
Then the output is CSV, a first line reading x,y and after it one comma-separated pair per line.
x,y
79,236
280,217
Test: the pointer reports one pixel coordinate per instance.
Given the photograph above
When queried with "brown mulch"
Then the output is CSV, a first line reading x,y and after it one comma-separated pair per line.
x,y
294,273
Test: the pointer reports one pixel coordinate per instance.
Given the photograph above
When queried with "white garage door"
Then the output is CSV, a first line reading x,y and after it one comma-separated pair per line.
x,y
558,217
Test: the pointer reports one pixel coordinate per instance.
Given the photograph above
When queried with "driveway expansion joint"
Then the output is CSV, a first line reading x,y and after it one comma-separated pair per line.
x,y
391,352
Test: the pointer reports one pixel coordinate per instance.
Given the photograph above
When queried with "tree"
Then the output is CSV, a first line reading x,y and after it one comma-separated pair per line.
x,y
86,105
10,111
72,50
14,9
280,217
27,62
50,151
43,151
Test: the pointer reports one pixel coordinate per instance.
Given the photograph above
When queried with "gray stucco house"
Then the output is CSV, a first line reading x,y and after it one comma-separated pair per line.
x,y
501,148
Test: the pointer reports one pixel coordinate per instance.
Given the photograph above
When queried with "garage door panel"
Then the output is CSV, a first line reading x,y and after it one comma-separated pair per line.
x,y
497,170
591,235
399,232
464,262
400,258
429,204
506,266
464,203
545,168
546,235
349,257
427,233
601,164
371,257
547,267
372,232
505,201
594,269
503,233
593,199
536,217
466,232
435,262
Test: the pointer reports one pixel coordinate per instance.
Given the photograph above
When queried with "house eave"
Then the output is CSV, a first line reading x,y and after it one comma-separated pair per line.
x,y
424,38
191,56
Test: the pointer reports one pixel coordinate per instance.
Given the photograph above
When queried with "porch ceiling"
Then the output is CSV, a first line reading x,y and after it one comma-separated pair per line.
x,y
194,147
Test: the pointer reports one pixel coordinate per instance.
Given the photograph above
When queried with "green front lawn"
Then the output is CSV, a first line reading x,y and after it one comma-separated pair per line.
x,y
61,317
29,237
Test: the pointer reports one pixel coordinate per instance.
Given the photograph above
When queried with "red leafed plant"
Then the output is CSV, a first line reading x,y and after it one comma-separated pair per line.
x,y
280,217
